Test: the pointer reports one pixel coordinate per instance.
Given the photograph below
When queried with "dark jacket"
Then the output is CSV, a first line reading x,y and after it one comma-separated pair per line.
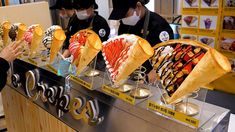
x,y
4,66
99,26
156,26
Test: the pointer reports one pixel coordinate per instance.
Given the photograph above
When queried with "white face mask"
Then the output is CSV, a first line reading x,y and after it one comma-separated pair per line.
x,y
82,15
131,20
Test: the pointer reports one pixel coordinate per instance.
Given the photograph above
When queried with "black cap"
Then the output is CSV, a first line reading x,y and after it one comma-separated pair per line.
x,y
67,4
121,7
85,4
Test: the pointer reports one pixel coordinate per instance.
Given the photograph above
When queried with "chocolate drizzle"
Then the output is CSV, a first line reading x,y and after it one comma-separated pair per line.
x,y
13,32
174,67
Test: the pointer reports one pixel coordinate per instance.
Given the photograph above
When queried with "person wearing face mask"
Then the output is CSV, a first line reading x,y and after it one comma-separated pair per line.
x,y
136,19
84,16
65,7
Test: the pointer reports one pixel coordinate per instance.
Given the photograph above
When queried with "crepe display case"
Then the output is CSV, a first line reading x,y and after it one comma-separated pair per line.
x,y
183,67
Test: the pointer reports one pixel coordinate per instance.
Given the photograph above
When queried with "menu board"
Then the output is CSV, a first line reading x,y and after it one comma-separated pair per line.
x,y
201,21
212,22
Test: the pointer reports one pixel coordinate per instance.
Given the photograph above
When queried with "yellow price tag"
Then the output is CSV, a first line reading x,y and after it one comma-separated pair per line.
x,y
118,94
32,61
81,82
52,69
229,9
173,114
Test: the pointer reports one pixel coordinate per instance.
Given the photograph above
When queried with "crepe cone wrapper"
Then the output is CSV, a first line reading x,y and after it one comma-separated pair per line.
x,y
6,28
212,66
21,30
92,47
36,40
57,43
141,52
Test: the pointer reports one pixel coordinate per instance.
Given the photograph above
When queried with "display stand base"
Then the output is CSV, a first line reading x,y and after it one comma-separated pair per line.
x,y
187,108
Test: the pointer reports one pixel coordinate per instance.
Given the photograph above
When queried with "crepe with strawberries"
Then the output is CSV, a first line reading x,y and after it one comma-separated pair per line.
x,y
84,46
124,54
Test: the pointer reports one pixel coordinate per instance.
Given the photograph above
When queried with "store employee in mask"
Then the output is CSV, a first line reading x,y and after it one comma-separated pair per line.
x,y
82,15
136,19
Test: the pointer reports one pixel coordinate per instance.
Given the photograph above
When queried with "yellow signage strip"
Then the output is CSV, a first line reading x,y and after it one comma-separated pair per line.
x,y
81,82
173,114
118,94
32,61
52,69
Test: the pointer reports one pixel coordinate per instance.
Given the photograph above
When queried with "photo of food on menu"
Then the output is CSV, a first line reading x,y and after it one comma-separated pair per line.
x,y
227,44
190,3
209,3
230,3
229,23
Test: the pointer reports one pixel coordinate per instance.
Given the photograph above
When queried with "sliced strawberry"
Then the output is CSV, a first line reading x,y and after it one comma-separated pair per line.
x,y
179,81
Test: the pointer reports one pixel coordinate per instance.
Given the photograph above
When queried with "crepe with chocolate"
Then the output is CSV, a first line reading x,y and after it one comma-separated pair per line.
x,y
185,65
56,44
17,31
47,40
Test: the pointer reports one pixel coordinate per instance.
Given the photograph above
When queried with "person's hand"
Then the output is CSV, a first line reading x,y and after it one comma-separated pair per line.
x,y
152,76
11,51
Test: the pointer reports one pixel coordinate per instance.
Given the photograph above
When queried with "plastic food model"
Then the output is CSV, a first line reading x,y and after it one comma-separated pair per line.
x,y
47,40
185,65
17,31
124,54
58,37
84,46
1,31
6,26
33,37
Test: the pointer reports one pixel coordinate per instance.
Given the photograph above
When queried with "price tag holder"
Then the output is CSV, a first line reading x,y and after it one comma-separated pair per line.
x,y
81,82
52,69
119,94
173,114
31,61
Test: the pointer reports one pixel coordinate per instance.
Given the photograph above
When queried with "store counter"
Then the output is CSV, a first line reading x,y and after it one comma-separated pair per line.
x,y
80,109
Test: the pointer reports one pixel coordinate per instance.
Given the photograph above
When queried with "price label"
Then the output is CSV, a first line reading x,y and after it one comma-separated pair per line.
x,y
190,10
32,61
209,11
206,32
229,9
189,30
173,114
118,94
81,82
52,69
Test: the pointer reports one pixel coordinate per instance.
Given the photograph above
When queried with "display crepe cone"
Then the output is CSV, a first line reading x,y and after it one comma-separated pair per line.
x,y
21,30
36,40
212,66
57,43
89,52
141,52
6,28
